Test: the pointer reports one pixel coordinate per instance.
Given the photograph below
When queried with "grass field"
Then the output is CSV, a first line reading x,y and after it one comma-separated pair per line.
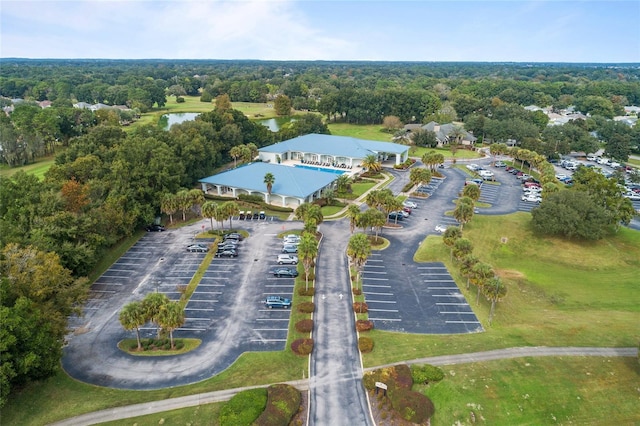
x,y
39,168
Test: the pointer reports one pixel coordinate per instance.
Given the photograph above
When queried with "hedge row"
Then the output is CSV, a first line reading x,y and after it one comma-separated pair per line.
x,y
283,403
244,408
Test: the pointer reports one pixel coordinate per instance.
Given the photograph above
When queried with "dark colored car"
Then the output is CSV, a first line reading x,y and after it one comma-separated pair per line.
x,y
285,272
227,253
395,216
223,247
155,228
277,302
263,215
256,215
233,236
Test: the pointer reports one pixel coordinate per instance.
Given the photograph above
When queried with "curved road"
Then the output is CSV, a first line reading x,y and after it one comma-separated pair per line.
x,y
224,395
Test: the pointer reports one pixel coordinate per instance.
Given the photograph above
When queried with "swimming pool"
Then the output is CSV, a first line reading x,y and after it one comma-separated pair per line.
x,y
321,169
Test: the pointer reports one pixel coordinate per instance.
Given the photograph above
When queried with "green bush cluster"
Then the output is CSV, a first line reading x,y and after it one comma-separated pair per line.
x,y
258,201
426,373
306,307
244,408
410,405
302,346
364,325
306,291
304,326
153,344
365,344
283,403
356,291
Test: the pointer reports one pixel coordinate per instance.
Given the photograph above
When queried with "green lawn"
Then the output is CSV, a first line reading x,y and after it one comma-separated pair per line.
x,y
559,293
39,168
368,132
461,154
538,391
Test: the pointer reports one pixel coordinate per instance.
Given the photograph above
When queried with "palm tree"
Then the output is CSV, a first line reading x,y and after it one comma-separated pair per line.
x,y
353,212
494,291
376,219
132,316
151,306
481,273
472,191
463,212
450,236
169,205
466,266
253,151
170,317
183,200
236,152
269,180
209,209
197,198
391,204
342,183
307,251
371,163
462,248
358,250
230,209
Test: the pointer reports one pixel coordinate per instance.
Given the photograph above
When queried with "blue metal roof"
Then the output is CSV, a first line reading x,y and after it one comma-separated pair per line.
x,y
291,181
335,145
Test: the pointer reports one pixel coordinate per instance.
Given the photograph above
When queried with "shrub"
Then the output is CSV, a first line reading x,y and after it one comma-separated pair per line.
x,y
306,307
283,403
306,291
410,405
180,100
257,199
244,408
364,325
407,187
356,291
304,326
401,377
206,96
426,373
360,307
302,346
365,344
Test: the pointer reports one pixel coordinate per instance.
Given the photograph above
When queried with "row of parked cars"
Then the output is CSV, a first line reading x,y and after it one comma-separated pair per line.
x,y
249,215
290,244
481,171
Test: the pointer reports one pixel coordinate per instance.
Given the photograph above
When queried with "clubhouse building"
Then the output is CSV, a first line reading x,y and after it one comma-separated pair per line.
x,y
303,168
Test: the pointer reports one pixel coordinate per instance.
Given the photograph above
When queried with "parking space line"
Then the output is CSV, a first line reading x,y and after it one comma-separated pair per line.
x,y
383,310
370,272
200,309
381,301
381,294
374,260
203,300
270,329
378,279
438,281
442,288
432,267
374,266
462,322
271,319
280,285
192,329
456,295
384,319
376,285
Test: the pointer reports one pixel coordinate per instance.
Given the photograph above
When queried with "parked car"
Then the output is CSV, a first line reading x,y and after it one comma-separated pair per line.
x,y
256,215
290,248
441,228
531,198
407,209
242,215
291,239
155,228
409,204
277,302
262,215
234,236
287,259
486,175
248,215
227,253
395,216
226,246
285,272
633,196
197,248
500,164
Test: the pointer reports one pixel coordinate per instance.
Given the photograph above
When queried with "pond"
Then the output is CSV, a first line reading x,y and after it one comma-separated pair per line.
x,y
274,124
168,120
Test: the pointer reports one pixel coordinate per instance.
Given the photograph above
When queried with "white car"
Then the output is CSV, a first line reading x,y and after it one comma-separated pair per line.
x,y
441,228
287,259
410,204
632,196
531,198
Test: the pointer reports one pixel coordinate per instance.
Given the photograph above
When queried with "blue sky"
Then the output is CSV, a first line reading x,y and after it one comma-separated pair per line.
x,y
518,31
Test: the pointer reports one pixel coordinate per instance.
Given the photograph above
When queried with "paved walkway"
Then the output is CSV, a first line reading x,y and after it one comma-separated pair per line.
x,y
224,395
